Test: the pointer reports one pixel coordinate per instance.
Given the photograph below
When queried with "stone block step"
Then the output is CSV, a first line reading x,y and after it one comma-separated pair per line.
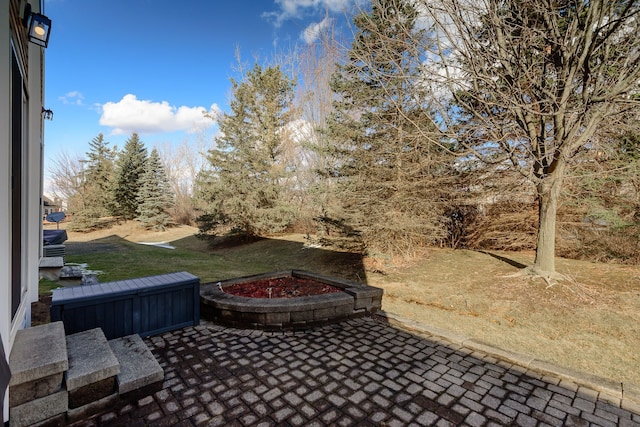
x,y
43,410
51,267
92,368
96,372
140,372
38,361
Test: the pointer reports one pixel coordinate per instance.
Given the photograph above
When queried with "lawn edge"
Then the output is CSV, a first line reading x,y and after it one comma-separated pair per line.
x,y
619,394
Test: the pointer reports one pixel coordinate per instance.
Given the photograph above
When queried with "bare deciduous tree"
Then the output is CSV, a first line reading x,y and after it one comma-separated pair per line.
x,y
66,174
531,82
316,63
182,164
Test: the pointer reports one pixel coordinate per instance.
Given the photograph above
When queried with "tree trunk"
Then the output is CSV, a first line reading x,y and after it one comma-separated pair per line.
x,y
548,193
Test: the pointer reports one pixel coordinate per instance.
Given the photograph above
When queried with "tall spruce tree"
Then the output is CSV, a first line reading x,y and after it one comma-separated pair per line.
x,y
100,174
130,166
241,189
387,169
97,180
155,197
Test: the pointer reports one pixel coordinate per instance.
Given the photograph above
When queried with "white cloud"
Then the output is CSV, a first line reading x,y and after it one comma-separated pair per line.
x,y
131,114
312,32
73,97
296,8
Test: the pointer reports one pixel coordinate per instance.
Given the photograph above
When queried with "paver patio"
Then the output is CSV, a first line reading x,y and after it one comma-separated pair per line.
x,y
360,372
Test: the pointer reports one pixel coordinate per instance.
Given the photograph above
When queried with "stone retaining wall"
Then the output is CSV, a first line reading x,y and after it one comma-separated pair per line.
x,y
355,300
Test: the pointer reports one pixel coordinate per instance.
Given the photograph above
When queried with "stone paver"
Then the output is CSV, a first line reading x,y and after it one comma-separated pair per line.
x,y
359,372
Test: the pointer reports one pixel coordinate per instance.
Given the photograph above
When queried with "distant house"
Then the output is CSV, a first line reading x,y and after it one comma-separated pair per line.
x,y
21,147
50,206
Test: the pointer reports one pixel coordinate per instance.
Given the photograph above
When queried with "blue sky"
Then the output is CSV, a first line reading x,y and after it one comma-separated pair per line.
x,y
153,66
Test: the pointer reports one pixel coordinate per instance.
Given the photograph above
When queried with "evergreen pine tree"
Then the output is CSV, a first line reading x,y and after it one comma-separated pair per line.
x,y
387,169
130,166
241,192
155,196
97,186
100,174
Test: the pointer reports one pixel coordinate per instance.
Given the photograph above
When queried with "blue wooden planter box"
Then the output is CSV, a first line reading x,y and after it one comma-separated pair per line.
x,y
144,306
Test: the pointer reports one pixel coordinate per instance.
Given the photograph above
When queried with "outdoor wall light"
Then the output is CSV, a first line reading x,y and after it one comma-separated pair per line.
x,y
47,114
38,26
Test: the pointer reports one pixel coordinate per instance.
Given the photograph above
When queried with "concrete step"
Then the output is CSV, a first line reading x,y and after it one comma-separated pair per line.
x,y
70,275
38,361
96,373
51,267
92,368
140,373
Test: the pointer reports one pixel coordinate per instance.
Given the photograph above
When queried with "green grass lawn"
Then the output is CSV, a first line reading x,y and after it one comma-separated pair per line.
x,y
589,323
262,256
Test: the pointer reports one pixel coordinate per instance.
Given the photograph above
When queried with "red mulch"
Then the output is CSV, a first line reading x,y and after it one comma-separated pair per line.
x,y
282,287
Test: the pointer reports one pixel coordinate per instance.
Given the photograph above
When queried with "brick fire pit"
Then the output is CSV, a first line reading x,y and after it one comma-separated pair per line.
x,y
354,300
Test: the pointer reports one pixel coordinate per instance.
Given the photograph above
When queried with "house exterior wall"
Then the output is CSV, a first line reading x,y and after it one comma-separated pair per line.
x,y
35,162
31,61
5,179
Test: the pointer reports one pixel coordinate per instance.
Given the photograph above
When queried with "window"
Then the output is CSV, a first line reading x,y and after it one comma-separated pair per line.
x,y
18,133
